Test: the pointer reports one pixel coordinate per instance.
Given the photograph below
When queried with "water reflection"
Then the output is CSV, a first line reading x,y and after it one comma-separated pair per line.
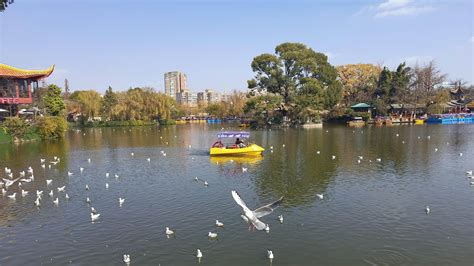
x,y
366,203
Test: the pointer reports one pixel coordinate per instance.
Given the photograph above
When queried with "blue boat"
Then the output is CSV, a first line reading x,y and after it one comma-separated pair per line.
x,y
462,118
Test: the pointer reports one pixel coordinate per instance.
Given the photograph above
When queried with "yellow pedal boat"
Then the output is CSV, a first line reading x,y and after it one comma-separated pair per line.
x,y
220,149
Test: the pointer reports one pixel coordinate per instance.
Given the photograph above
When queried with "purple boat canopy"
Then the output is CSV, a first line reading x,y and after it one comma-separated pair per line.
x,y
237,134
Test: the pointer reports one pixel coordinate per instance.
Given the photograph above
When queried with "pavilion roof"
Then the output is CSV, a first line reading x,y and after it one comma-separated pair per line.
x,y
7,71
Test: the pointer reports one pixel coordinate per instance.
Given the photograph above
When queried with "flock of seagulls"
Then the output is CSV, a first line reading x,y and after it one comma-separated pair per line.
x,y
251,217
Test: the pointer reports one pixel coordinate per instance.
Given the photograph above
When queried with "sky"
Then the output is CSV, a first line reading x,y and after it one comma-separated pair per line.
x,y
130,43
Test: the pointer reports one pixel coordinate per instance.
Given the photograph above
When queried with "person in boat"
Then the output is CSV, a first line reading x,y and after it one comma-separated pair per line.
x,y
239,143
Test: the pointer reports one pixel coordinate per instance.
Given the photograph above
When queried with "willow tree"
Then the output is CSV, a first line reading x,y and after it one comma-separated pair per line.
x,y
89,100
296,73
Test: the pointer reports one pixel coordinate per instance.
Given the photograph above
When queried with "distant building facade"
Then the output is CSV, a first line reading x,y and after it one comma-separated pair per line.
x,y
175,82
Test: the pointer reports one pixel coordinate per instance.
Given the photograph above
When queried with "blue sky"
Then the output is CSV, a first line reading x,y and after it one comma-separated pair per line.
x,y
132,43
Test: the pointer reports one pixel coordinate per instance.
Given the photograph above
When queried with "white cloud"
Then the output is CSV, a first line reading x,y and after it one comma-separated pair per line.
x,y
401,8
472,39
391,4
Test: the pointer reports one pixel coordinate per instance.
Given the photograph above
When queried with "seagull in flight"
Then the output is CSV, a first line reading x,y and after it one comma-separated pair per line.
x,y
258,213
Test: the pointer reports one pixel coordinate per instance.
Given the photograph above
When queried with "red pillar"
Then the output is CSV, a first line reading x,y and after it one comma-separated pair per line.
x,y
29,89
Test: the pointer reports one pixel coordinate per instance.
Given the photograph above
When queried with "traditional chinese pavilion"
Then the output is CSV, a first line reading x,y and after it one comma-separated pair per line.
x,y
17,86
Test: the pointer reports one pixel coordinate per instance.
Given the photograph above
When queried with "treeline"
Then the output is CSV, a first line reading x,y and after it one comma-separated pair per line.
x,y
298,85
137,104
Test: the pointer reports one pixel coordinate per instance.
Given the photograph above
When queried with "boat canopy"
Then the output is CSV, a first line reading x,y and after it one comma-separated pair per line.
x,y
237,134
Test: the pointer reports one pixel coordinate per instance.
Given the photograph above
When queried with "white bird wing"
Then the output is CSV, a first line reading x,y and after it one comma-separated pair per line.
x,y
239,200
259,225
267,209
9,182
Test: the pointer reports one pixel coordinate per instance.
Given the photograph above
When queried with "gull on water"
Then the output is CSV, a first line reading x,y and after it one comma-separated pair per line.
x,y
132,154
280,218
22,174
318,152
206,184
66,196
196,179
244,169
106,185
148,159
212,235
4,191
427,209
43,166
320,196
61,188
257,213
37,202
267,228
270,254
94,217
87,187
469,173
12,196
168,231
121,201
378,159
126,258
198,253
69,173
89,160
116,176
56,201
39,193
88,200
219,224
24,193
51,193
106,174
334,157
81,169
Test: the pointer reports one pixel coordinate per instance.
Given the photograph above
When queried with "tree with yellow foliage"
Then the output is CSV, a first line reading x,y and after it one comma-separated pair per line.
x,y
358,82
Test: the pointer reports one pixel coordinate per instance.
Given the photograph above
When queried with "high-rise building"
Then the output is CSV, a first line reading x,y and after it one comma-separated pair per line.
x,y
175,82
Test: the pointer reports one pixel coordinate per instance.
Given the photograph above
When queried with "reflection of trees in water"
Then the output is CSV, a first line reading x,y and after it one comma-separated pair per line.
x,y
296,171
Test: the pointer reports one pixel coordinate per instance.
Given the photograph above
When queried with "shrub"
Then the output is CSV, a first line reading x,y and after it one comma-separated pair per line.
x,y
165,122
50,127
15,126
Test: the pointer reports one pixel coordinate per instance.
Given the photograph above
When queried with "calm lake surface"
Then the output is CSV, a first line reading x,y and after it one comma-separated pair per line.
x,y
373,213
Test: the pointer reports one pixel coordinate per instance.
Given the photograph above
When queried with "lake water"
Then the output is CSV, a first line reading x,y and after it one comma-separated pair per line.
x,y
372,213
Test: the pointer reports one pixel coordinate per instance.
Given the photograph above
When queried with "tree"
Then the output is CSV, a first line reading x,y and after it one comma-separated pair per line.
x,y
399,90
265,109
358,82
142,104
89,100
384,84
4,4
53,102
426,80
236,103
291,71
108,102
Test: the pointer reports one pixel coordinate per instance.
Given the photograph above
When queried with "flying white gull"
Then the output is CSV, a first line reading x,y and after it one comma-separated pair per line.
x,y
258,213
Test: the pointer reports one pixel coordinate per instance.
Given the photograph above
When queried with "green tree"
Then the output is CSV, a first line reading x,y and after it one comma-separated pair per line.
x,y
384,84
4,4
400,84
52,101
108,102
265,109
293,72
89,100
